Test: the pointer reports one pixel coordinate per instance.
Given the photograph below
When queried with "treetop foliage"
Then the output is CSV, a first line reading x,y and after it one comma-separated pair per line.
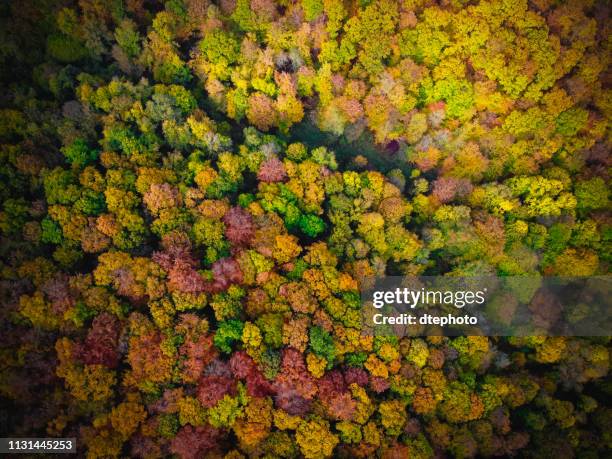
x,y
193,191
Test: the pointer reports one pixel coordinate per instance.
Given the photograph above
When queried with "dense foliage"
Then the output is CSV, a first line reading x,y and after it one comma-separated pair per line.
x,y
180,264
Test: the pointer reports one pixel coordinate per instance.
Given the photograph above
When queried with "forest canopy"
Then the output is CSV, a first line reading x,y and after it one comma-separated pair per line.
x,y
193,191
